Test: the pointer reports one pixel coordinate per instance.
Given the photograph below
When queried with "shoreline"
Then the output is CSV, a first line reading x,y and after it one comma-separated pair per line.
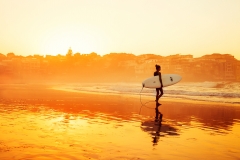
x,y
165,99
49,91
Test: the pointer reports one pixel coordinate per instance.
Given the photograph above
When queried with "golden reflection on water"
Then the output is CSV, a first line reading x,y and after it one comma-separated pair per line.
x,y
49,132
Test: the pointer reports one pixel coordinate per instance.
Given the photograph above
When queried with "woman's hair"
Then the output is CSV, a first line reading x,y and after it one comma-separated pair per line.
x,y
157,66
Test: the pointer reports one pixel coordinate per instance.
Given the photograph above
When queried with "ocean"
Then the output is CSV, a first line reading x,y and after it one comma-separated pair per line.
x,y
223,92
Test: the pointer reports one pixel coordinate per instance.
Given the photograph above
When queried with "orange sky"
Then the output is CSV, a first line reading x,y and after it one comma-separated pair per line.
x,y
138,26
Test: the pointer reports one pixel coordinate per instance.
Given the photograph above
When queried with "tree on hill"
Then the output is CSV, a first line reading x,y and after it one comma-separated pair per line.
x,y
10,55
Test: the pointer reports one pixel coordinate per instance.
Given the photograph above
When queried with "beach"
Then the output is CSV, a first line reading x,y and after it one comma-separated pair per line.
x,y
39,121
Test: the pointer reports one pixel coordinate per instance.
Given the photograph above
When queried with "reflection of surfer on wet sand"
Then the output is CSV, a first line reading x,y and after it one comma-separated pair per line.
x,y
157,135
159,130
159,115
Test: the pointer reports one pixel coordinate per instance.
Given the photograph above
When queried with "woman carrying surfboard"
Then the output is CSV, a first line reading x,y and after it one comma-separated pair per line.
x,y
158,73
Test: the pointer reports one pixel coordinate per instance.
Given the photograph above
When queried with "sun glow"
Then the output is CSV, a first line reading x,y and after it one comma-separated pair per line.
x,y
83,40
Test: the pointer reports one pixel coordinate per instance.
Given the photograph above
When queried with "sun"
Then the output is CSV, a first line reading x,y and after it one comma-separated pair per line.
x,y
58,40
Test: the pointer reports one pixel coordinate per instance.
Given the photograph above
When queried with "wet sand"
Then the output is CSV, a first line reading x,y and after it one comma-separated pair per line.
x,y
38,122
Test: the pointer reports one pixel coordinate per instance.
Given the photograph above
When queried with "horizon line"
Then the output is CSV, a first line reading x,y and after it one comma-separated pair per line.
x,y
64,54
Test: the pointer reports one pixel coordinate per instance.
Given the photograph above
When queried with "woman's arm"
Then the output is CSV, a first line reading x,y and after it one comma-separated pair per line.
x,y
160,78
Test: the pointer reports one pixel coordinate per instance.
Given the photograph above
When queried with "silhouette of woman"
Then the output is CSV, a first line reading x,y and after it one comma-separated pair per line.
x,y
158,73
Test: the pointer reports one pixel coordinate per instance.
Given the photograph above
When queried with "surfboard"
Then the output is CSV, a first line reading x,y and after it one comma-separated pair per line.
x,y
167,80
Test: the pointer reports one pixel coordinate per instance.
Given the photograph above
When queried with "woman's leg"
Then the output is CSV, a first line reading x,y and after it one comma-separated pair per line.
x,y
161,90
157,94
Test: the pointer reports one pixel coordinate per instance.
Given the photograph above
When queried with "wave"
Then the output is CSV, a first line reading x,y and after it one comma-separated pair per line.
x,y
207,99
191,93
206,84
